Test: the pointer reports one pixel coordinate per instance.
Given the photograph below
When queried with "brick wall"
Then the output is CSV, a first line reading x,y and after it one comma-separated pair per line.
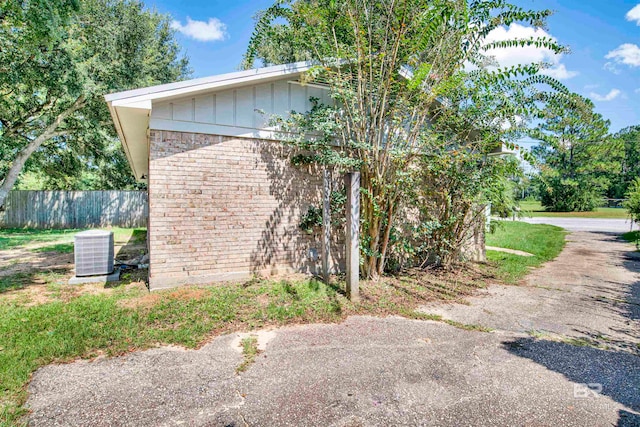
x,y
226,208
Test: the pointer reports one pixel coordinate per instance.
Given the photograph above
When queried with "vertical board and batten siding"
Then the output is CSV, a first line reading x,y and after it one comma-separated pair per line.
x,y
247,108
75,209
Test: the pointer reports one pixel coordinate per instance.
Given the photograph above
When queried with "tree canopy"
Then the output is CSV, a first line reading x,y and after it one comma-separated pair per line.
x,y
62,57
408,78
576,155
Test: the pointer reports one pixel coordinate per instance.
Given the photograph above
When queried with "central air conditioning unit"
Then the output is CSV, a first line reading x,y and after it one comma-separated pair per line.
x,y
93,252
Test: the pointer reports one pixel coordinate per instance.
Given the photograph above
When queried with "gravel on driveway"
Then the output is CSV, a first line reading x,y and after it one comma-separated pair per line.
x,y
393,371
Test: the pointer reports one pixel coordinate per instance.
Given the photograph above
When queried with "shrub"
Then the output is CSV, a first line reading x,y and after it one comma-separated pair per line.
x,y
632,204
559,194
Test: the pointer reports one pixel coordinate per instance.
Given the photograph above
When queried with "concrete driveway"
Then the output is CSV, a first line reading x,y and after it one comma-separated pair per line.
x,y
544,365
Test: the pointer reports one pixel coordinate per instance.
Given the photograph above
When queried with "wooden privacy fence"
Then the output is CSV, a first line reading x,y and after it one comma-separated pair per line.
x,y
75,209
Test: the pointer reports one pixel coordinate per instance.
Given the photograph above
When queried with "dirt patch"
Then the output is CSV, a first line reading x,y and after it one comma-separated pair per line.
x,y
16,261
263,300
584,252
188,293
44,294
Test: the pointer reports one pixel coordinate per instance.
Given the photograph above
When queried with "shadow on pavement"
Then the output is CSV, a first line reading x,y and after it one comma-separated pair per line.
x,y
627,419
618,373
617,299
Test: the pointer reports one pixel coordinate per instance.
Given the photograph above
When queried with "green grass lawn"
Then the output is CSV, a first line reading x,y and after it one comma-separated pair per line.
x,y
14,238
633,237
129,318
18,237
54,322
535,209
545,242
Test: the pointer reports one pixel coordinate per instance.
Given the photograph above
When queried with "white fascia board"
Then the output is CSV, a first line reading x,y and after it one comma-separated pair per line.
x,y
139,104
195,86
123,141
131,121
503,151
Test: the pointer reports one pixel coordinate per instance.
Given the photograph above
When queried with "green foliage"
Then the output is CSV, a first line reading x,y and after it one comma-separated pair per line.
x,y
575,154
545,242
452,188
312,219
634,237
396,75
580,194
632,204
629,158
63,57
503,202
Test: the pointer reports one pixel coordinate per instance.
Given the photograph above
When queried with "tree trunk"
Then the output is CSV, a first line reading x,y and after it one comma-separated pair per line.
x,y
22,157
385,238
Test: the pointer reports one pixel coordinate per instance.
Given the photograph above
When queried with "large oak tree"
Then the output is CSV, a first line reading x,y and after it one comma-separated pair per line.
x,y
58,59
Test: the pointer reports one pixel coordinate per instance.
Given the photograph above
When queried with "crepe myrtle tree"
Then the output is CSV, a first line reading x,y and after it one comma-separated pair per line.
x,y
58,59
388,65
460,171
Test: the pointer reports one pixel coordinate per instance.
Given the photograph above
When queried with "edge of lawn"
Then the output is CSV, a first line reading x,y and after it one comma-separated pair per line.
x,y
633,237
534,209
129,318
543,241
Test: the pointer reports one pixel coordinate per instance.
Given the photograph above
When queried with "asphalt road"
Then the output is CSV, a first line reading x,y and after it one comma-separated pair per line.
x,y
586,224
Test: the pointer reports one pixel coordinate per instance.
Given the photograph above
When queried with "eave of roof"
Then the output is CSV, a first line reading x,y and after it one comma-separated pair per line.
x,y
194,86
131,110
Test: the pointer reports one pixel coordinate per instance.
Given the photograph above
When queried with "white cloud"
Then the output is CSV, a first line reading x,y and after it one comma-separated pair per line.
x,y
634,14
610,66
613,94
628,54
210,31
559,72
508,57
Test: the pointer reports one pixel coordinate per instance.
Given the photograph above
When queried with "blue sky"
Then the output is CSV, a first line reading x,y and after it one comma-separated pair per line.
x,y
604,37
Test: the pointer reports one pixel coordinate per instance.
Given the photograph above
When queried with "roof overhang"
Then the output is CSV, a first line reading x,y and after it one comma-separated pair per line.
x,y
503,150
131,110
132,125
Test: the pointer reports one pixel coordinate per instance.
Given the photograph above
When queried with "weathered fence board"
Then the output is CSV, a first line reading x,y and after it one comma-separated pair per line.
x,y
75,209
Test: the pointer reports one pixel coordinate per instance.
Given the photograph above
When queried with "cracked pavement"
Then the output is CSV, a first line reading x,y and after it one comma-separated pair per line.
x,y
371,371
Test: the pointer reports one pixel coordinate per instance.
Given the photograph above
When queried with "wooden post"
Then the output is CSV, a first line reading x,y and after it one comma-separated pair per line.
x,y
326,225
352,185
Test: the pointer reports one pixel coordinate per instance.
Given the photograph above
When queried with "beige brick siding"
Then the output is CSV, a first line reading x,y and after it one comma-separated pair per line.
x,y
225,208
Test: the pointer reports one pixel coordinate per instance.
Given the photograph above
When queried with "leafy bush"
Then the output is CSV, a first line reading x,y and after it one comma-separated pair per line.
x,y
559,194
632,204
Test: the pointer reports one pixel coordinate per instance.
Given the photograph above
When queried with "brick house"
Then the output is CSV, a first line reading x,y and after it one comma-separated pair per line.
x,y
225,202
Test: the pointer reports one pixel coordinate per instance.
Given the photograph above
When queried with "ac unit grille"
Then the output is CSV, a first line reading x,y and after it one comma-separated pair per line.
x,y
93,252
